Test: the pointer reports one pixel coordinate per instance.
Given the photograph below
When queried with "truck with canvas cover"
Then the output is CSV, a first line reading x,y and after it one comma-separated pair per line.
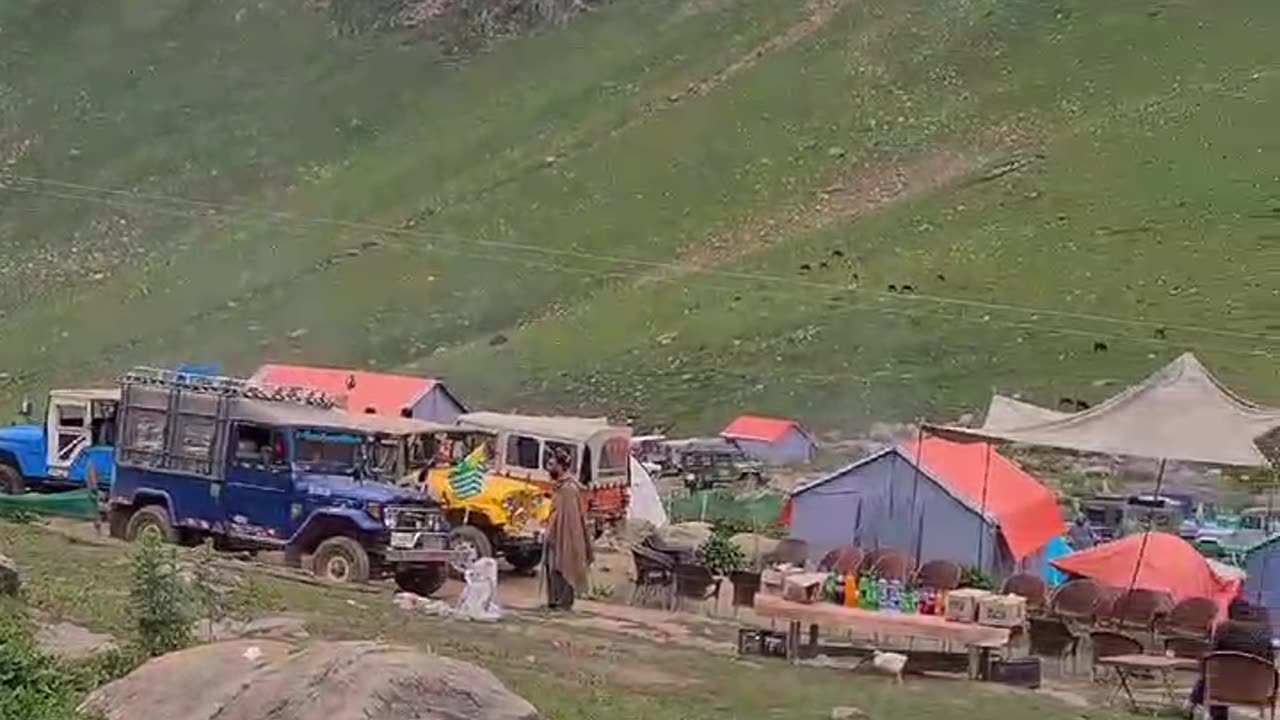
x,y
78,433
261,467
508,515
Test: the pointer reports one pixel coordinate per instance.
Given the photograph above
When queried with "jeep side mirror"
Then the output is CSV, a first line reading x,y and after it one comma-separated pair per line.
x,y
25,408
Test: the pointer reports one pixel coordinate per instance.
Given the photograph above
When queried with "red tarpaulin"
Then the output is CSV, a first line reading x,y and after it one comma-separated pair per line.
x,y
1169,564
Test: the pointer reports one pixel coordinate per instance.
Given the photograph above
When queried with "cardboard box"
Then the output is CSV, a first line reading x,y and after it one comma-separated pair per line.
x,y
962,605
773,579
803,587
1002,611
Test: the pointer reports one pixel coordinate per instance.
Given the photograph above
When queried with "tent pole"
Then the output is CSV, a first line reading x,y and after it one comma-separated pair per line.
x,y
1146,535
915,484
982,508
1266,532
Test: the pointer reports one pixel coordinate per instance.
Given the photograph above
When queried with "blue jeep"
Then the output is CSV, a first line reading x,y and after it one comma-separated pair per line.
x,y
268,468
78,433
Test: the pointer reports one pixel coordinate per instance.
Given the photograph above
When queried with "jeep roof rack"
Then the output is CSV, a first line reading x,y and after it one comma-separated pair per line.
x,y
229,387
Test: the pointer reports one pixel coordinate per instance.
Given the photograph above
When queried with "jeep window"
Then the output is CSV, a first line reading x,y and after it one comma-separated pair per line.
x,y
524,452
145,430
564,453
257,446
614,455
195,437
70,416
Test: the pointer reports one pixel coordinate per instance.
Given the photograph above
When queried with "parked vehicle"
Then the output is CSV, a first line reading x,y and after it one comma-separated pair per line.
x,y
78,433
597,453
509,516
1112,516
269,468
714,462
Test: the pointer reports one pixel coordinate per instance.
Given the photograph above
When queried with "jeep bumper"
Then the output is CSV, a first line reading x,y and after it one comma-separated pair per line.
x,y
417,556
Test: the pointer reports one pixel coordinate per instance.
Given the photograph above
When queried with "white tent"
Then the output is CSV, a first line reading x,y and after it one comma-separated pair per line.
x,y
1181,412
646,504
1006,413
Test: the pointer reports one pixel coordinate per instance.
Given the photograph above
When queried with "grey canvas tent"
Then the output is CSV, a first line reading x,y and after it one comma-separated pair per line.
x,y
1181,412
935,500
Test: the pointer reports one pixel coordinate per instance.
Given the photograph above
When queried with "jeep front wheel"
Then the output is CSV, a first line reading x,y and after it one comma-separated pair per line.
x,y
151,521
341,560
422,580
11,481
469,544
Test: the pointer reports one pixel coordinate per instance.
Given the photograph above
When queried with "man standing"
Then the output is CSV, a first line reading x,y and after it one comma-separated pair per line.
x,y
568,555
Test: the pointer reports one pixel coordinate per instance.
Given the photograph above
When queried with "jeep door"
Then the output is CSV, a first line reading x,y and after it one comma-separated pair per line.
x,y
257,493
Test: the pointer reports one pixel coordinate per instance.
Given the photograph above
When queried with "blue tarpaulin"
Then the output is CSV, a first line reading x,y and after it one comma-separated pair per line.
x,y
1057,547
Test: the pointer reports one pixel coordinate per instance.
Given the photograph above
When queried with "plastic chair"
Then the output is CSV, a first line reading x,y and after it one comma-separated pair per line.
x,y
655,577
1109,643
1031,587
695,582
1051,637
745,587
893,565
1139,609
1192,648
1076,601
843,560
1233,678
939,575
1191,618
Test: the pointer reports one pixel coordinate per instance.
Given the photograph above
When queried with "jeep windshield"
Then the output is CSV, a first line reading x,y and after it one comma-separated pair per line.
x,y
328,452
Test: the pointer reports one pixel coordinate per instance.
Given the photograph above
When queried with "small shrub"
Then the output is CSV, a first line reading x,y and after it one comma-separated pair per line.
x,y
977,578
720,556
160,600
33,686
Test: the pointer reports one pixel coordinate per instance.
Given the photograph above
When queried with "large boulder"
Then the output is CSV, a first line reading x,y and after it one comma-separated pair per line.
x,y
754,547
686,535
256,680
10,581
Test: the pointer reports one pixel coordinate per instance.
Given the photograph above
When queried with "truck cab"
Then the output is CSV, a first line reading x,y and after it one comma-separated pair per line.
x,y
261,468
78,433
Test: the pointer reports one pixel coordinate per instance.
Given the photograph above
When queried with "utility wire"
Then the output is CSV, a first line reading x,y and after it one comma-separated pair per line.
x,y
616,259
879,307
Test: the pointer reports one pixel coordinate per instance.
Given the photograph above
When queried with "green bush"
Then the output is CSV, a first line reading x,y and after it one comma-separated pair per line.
x,y
160,600
720,556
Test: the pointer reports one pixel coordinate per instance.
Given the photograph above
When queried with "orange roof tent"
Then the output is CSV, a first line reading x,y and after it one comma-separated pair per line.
x,y
1026,510
776,441
974,476
364,391
1169,564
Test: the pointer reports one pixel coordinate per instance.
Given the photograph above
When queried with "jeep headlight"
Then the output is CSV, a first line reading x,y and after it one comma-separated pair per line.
x,y
436,523
374,509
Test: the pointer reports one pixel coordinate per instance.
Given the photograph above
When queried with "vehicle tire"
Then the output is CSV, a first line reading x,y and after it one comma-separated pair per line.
x,y
118,522
341,559
11,480
422,580
147,520
525,562
474,543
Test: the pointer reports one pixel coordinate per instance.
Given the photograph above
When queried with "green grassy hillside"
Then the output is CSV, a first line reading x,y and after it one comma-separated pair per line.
x,y
669,209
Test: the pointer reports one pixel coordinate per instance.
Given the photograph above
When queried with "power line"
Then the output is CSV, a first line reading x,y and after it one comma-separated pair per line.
x,y
615,259
558,267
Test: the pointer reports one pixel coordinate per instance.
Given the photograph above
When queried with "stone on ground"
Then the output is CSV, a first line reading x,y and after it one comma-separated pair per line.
x,y
257,679
72,642
10,580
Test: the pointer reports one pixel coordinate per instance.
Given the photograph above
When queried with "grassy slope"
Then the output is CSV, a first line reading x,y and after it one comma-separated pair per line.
x,y
567,673
1145,191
